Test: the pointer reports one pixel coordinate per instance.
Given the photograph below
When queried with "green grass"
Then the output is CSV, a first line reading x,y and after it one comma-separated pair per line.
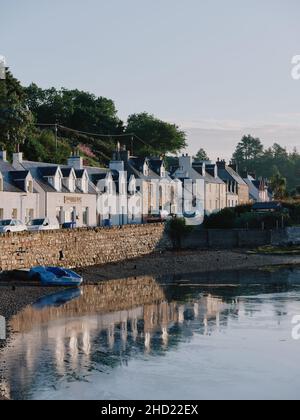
x,y
274,250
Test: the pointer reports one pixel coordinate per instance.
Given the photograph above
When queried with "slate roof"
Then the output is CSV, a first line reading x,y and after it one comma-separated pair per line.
x,y
228,174
13,181
41,170
253,190
208,178
66,172
272,205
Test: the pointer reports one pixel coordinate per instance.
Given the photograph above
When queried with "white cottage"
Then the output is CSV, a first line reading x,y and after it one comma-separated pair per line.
x,y
65,192
18,197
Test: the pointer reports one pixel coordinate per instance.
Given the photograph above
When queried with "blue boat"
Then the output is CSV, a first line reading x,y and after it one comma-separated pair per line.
x,y
56,276
58,299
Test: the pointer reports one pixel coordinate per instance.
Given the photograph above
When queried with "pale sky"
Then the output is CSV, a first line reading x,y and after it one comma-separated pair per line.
x,y
219,69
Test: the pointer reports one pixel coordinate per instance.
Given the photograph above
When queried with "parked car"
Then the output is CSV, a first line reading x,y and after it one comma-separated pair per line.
x,y
12,225
36,225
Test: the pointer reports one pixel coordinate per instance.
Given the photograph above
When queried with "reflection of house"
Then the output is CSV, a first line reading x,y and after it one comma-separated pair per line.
x,y
237,189
18,197
65,192
258,189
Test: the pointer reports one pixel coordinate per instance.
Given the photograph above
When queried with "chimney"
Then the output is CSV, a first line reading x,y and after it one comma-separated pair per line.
x,y
186,163
17,159
75,161
3,155
116,165
221,164
124,155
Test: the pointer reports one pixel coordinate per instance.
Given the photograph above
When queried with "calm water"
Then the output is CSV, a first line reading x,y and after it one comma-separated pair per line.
x,y
195,337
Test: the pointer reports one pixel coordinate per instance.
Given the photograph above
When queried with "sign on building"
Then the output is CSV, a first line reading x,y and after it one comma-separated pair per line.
x,y
2,328
73,200
2,67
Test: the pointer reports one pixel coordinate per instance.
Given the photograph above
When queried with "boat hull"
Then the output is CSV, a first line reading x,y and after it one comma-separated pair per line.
x,y
55,276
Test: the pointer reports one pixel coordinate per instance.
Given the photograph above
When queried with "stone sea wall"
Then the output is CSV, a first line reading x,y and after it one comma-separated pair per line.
x,y
80,247
88,247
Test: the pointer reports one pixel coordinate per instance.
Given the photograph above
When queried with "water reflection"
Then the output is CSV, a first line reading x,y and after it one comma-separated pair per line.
x,y
108,335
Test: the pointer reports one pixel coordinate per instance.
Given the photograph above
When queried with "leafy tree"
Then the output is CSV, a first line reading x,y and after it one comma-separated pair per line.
x,y
157,137
77,110
201,156
15,118
249,148
264,162
278,185
41,147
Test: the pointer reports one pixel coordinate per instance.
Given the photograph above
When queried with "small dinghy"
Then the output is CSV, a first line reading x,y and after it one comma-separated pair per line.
x,y
56,276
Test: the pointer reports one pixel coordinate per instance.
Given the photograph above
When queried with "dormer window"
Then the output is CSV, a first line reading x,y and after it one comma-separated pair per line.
x,y
85,184
29,186
72,183
146,170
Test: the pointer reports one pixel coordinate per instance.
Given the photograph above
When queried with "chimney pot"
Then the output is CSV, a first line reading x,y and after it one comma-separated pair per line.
x,y
3,155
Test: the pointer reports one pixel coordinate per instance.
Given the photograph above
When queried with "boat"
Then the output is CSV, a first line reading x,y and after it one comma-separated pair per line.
x,y
58,299
56,276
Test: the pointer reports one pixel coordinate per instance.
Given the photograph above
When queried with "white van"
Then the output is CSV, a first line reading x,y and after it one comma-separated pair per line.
x,y
36,225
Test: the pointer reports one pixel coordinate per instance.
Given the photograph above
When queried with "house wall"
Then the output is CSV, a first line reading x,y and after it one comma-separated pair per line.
x,y
66,202
243,193
21,202
232,199
215,197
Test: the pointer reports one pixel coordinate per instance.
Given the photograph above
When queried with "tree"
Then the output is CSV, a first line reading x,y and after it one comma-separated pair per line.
x,y
15,117
249,148
201,156
77,110
41,147
156,137
278,185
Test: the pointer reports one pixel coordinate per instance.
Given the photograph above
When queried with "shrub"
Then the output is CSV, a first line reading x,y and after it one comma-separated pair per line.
x,y
177,230
225,219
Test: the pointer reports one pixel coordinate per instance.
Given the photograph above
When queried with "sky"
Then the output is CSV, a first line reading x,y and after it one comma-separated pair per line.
x,y
219,69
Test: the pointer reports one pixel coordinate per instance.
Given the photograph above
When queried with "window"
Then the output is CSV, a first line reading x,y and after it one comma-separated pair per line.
x,y
72,184
1,214
84,184
1,184
29,215
59,214
30,186
14,214
85,216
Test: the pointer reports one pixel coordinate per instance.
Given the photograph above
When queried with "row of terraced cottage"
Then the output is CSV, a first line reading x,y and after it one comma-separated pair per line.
x,y
130,191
